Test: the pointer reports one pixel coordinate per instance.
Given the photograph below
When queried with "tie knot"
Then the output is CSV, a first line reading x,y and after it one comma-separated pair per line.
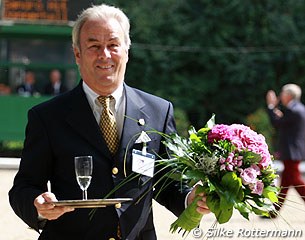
x,y
105,100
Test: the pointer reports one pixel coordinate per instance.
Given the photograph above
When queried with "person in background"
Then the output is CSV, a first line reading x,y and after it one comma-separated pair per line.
x,y
27,88
287,115
55,86
4,89
71,124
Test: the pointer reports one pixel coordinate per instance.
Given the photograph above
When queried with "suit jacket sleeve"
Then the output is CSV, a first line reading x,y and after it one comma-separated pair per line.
x,y
26,188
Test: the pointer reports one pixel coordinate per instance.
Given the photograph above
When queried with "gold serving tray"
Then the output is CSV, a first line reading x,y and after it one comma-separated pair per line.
x,y
92,203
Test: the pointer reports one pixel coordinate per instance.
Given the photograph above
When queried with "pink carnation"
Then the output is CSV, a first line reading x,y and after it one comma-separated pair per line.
x,y
243,138
220,132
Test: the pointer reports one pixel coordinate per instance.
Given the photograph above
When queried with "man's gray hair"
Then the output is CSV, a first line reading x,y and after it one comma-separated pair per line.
x,y
101,12
293,90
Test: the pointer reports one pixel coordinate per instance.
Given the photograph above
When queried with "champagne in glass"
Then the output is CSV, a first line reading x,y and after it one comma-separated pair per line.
x,y
83,170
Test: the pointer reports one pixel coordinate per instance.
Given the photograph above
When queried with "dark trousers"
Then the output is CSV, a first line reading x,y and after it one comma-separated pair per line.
x,y
291,177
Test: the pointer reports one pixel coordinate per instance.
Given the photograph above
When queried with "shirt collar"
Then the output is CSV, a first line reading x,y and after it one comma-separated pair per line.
x,y
291,103
118,95
91,95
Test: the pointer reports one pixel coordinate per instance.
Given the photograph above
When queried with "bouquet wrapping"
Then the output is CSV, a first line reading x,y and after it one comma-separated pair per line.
x,y
233,165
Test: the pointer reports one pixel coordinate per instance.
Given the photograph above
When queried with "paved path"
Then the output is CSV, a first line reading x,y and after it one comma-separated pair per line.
x,y
293,217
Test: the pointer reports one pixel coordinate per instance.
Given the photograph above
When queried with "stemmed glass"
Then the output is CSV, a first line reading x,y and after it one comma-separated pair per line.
x,y
83,170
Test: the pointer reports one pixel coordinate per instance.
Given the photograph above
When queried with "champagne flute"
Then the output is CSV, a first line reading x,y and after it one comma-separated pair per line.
x,y
83,170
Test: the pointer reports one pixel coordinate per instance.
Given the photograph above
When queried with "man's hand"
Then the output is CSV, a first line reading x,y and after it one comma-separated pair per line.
x,y
272,101
49,210
201,204
271,98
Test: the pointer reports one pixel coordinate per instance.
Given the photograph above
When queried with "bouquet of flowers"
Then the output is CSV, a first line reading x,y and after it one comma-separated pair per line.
x,y
232,164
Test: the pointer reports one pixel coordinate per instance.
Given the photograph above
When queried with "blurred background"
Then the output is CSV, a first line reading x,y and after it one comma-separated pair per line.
x,y
205,56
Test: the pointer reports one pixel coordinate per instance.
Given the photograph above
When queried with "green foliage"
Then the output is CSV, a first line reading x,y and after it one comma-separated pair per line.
x,y
12,145
11,148
270,193
189,218
182,121
215,56
225,200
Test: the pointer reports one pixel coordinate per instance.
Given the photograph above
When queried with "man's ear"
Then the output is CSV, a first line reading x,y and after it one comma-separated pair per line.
x,y
127,52
76,54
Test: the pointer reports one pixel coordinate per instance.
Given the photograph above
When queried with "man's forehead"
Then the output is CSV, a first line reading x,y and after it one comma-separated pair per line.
x,y
96,28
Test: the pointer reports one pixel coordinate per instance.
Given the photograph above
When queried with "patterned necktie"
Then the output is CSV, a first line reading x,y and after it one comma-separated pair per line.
x,y
108,124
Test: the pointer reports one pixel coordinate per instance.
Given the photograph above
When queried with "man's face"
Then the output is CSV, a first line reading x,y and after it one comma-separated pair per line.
x,y
29,78
102,56
55,76
285,98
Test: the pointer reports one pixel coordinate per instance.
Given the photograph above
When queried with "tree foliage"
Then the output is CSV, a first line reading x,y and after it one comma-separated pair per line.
x,y
210,56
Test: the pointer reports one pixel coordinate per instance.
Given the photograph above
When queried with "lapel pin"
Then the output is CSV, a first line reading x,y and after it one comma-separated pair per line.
x,y
141,122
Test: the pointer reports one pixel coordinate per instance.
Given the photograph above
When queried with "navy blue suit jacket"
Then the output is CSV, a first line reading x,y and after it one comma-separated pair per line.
x,y
64,127
291,131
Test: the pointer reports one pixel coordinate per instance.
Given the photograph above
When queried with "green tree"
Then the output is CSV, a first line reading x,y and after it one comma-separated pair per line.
x,y
212,56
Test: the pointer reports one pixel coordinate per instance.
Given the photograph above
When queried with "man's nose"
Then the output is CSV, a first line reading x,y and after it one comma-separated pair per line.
x,y
104,53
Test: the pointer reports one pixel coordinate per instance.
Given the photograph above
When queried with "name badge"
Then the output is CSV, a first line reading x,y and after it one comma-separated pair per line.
x,y
143,163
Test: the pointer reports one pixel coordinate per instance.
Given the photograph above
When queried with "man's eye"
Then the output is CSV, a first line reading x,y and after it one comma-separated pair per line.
x,y
94,46
114,45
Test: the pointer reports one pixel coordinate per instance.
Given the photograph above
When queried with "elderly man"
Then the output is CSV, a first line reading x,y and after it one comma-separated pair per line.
x,y
290,123
101,117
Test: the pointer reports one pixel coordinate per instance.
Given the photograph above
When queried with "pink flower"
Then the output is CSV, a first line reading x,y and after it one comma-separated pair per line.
x,y
220,132
222,167
243,138
265,161
256,169
230,167
222,160
230,157
249,175
257,187
231,162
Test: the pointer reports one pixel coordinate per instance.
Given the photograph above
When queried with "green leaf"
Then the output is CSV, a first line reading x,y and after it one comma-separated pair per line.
x,y
272,189
220,207
190,218
261,207
241,194
203,131
213,202
244,209
251,157
225,215
233,184
271,192
195,138
226,200
229,192
195,174
258,211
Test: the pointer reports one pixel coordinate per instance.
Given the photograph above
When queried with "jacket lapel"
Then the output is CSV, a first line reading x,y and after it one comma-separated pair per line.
x,y
81,118
135,110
